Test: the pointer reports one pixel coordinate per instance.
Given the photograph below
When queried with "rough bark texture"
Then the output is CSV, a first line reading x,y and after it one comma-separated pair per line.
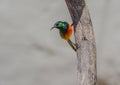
x,y
84,37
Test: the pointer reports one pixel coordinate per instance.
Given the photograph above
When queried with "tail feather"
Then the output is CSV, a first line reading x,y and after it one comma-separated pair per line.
x,y
71,44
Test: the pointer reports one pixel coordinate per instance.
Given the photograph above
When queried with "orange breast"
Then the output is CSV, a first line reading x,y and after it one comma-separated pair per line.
x,y
69,32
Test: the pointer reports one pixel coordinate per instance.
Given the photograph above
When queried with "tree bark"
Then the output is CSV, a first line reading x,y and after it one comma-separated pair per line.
x,y
85,42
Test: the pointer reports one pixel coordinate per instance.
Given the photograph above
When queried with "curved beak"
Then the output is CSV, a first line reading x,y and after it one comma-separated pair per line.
x,y
53,27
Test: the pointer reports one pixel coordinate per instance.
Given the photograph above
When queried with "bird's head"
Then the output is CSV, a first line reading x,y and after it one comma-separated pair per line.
x,y
60,25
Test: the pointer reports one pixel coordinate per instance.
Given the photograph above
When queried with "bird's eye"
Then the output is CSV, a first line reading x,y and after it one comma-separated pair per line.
x,y
56,24
60,24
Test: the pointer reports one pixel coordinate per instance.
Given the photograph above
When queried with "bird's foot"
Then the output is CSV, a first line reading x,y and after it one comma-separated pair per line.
x,y
75,45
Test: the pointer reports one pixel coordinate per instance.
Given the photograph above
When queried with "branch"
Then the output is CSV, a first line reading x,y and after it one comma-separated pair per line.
x,y
84,38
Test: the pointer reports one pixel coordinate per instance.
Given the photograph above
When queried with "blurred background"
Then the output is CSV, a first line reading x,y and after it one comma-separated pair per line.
x,y
31,54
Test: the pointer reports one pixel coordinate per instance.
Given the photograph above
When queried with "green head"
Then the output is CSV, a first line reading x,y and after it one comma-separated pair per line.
x,y
60,25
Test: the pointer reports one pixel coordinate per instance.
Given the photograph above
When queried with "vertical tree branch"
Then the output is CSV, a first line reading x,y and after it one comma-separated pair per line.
x,y
84,37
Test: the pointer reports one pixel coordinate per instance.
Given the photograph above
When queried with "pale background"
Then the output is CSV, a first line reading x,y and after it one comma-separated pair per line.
x,y
31,54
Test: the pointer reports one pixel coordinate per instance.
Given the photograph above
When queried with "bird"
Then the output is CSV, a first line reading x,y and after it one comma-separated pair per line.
x,y
65,31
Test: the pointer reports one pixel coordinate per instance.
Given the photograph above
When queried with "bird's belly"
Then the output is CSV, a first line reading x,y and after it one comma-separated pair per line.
x,y
69,33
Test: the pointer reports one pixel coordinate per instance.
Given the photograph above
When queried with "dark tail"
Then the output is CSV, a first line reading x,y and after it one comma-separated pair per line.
x,y
71,44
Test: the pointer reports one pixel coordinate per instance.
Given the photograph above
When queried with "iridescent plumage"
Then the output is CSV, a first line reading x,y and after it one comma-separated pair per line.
x,y
65,31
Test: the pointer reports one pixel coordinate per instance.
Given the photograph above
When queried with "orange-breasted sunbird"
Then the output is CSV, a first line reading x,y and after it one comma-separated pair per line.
x,y
65,30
